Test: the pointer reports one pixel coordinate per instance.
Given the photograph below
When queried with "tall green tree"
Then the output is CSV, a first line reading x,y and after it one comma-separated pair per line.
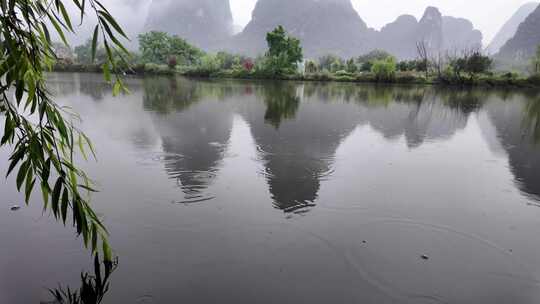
x,y
284,52
154,47
43,136
159,47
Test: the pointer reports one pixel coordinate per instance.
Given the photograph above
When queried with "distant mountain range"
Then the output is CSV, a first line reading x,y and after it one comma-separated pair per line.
x,y
335,27
440,33
526,40
330,26
510,28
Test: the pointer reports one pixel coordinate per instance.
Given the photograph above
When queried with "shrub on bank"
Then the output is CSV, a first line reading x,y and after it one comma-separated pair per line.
x,y
319,76
534,79
448,77
409,78
384,70
158,69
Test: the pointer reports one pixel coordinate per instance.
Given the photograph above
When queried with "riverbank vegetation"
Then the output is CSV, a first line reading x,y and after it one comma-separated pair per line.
x,y
163,54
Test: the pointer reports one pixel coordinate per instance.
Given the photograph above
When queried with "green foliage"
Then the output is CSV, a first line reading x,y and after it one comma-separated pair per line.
x,y
84,54
478,63
351,66
473,64
411,65
337,65
207,66
154,47
210,63
156,69
326,61
42,134
311,67
229,61
536,61
159,48
281,101
373,56
384,69
284,52
366,66
366,61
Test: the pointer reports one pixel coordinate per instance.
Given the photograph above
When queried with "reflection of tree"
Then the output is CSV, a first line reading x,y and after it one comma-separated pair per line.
x,y
466,101
299,153
417,113
194,130
532,117
95,89
93,287
281,102
165,95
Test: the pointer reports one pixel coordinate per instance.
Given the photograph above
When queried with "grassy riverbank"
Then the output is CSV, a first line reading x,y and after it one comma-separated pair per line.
x,y
485,80
162,54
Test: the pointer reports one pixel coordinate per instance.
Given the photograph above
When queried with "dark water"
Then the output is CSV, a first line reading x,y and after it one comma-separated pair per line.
x,y
246,192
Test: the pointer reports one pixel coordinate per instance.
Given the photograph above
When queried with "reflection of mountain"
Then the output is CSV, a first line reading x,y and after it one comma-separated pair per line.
x,y
166,95
418,114
516,125
298,129
429,120
194,135
297,141
92,85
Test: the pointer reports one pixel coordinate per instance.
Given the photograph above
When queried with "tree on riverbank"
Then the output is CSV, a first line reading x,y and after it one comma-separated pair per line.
x,y
84,53
160,48
536,61
385,69
472,63
284,52
42,134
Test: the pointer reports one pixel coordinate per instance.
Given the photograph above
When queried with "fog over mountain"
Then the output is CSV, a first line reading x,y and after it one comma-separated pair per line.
x,y
400,37
208,23
524,44
333,26
510,28
202,22
330,26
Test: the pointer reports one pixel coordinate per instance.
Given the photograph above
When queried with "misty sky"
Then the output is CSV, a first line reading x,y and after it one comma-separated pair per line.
x,y
487,15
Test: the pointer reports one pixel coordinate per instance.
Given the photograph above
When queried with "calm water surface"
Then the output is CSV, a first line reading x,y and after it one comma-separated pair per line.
x,y
251,192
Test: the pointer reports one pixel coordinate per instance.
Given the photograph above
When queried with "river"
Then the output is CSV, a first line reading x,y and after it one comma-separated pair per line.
x,y
290,192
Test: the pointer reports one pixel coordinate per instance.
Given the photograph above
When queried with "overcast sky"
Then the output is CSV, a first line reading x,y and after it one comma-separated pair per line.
x,y
487,15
